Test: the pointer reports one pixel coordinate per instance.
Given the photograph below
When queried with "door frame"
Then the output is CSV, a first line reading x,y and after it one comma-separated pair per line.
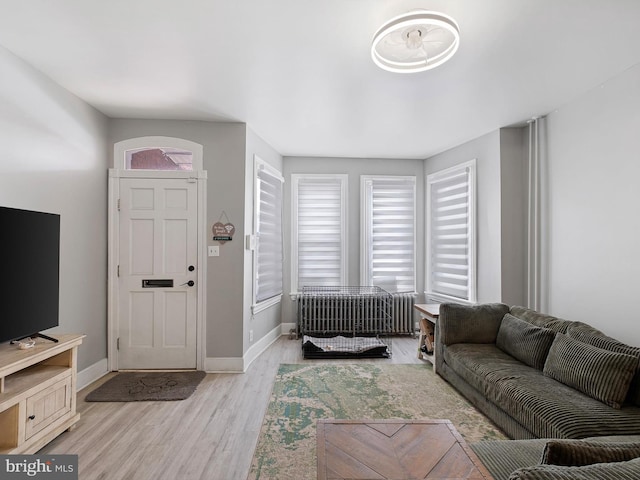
x,y
117,172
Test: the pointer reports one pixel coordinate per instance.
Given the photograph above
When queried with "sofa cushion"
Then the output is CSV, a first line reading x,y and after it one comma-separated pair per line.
x,y
470,323
601,374
540,319
482,365
542,405
526,342
587,334
629,470
577,453
503,457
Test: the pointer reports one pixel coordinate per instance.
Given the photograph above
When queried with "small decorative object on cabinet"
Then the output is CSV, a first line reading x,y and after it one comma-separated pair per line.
x,y
37,393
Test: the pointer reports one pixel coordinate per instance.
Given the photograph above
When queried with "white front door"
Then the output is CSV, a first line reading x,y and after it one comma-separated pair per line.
x,y
158,257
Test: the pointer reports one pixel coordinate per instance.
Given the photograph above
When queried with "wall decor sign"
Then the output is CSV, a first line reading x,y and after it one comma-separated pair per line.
x,y
223,232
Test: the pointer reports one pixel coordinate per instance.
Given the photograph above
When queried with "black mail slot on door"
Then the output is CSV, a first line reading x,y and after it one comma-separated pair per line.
x,y
157,283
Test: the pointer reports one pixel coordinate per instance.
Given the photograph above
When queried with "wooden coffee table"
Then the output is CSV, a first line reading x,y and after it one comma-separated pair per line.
x,y
394,449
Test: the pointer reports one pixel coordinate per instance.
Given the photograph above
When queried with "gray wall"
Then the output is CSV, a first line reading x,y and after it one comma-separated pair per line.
x,y
265,321
54,159
354,167
228,156
500,195
486,151
592,208
513,208
224,161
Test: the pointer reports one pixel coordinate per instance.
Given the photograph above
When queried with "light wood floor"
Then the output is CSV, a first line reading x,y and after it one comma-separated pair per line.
x,y
211,435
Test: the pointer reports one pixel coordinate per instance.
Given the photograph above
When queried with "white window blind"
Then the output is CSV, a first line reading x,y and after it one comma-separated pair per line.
x,y
388,230
269,255
319,230
451,233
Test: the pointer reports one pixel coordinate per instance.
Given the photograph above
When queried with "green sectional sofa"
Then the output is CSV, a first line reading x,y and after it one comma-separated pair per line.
x,y
541,377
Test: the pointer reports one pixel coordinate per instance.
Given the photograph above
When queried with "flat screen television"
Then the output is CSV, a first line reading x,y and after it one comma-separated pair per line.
x,y
29,272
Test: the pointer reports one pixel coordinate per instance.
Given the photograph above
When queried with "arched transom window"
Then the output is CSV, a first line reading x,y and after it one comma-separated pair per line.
x,y
166,158
157,154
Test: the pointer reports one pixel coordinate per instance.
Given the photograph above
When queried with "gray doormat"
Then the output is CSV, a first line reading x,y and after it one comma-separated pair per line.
x,y
147,386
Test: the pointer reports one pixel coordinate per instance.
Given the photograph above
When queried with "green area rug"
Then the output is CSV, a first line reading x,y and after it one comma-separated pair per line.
x,y
302,394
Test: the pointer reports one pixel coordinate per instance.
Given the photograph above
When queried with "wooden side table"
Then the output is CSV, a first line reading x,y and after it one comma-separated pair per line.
x,y
428,317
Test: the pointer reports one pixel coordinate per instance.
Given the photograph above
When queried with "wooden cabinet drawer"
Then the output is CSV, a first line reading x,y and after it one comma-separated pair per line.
x,y
47,406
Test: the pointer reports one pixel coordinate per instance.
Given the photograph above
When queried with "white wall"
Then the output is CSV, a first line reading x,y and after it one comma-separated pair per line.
x,y
54,159
593,208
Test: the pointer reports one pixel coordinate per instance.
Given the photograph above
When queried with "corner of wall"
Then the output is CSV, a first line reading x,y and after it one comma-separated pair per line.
x,y
513,214
92,373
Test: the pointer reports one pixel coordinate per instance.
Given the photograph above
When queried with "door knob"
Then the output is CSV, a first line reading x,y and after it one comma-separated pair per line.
x,y
191,268
191,283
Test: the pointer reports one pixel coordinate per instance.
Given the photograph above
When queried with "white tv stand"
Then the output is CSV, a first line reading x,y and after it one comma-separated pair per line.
x,y
37,393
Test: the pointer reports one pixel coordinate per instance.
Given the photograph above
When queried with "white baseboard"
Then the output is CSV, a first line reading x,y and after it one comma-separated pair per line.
x,y
260,346
223,365
240,365
285,328
211,364
92,373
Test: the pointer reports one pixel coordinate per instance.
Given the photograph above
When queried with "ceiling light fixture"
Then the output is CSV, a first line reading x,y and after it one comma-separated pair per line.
x,y
415,42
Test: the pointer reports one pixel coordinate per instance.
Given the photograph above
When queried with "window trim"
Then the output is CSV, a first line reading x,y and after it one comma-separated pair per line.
x,y
472,264
366,220
261,165
295,182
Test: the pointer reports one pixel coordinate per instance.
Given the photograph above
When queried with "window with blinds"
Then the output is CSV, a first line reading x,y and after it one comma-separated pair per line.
x,y
319,233
451,233
388,232
268,249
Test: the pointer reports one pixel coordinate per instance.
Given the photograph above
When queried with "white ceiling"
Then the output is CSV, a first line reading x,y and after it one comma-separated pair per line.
x,y
300,74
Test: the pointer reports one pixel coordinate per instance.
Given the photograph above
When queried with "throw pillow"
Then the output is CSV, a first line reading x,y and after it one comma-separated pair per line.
x,y
600,471
524,341
587,334
540,319
577,453
601,374
470,323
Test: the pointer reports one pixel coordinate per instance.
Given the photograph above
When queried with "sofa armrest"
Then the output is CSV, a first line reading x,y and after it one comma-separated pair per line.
x,y
470,324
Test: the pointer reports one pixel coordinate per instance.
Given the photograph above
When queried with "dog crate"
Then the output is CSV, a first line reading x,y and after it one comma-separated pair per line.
x,y
337,322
